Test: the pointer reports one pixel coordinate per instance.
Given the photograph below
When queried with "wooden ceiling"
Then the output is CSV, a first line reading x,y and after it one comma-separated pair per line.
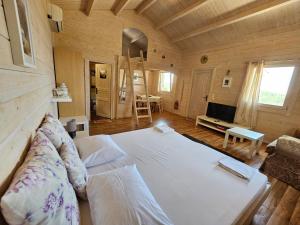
x,y
203,24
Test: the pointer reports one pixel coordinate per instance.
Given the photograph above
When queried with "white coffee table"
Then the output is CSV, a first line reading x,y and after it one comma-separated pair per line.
x,y
255,138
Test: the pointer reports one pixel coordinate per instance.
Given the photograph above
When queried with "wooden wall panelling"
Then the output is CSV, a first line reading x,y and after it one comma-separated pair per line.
x,y
155,80
167,98
25,93
282,46
3,28
16,83
124,110
79,34
116,87
114,94
69,66
15,146
71,5
6,57
16,111
87,81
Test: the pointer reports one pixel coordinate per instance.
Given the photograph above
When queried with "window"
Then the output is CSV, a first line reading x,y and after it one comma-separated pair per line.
x,y
275,85
166,81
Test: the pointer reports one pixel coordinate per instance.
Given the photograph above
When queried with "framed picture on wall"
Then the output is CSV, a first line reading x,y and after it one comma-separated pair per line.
x,y
227,82
19,29
103,74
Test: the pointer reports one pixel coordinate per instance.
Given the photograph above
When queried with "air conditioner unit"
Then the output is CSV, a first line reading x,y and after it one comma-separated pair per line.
x,y
55,16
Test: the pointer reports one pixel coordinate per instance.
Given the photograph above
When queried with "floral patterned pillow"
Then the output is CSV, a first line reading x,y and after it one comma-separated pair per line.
x,y
76,170
57,134
40,192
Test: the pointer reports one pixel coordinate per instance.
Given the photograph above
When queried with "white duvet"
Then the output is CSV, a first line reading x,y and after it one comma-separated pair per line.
x,y
185,179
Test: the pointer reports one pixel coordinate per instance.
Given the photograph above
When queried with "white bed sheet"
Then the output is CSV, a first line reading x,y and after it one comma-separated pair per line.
x,y
185,179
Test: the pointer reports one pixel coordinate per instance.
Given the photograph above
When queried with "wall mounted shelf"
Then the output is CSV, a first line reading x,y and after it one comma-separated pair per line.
x,y
61,99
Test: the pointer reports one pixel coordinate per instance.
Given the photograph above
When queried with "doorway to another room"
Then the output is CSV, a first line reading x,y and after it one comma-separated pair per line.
x,y
100,91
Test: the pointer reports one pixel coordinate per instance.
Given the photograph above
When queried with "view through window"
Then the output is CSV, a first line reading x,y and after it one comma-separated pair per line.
x,y
275,84
166,81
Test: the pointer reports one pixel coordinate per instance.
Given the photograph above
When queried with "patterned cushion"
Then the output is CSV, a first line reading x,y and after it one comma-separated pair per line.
x,y
40,192
57,134
289,146
76,170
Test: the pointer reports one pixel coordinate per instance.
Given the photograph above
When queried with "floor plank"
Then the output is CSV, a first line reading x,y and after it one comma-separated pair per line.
x,y
266,210
295,219
283,212
281,207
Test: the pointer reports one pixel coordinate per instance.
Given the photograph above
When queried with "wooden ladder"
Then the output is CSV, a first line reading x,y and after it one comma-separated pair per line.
x,y
137,102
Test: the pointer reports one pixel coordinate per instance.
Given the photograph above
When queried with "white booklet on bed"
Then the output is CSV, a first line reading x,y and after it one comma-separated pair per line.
x,y
163,128
237,168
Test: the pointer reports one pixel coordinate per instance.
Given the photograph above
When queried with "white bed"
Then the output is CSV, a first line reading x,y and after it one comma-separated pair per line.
x,y
184,178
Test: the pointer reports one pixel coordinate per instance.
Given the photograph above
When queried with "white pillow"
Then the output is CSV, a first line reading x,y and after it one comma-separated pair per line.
x,y
98,150
77,172
121,197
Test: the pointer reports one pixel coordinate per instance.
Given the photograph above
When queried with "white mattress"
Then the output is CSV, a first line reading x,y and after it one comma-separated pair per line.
x,y
184,178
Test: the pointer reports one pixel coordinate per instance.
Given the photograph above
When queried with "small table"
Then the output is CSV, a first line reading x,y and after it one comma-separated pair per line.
x,y
255,138
153,99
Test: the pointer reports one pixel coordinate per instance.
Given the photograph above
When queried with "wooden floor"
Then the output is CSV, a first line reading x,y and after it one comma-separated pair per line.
x,y
282,207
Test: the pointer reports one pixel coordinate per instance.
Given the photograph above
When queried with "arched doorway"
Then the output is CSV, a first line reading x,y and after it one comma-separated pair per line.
x,y
135,40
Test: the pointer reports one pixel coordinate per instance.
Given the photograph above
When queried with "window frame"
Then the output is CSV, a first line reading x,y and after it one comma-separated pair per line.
x,y
289,98
171,81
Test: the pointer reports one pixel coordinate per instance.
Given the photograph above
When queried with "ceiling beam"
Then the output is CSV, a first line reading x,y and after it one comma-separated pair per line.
x,y
144,6
189,9
89,6
242,13
119,6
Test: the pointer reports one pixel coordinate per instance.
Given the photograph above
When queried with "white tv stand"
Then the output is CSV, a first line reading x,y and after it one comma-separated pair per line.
x,y
216,124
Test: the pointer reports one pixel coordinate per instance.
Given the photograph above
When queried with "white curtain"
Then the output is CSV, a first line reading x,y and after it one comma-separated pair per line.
x,y
248,101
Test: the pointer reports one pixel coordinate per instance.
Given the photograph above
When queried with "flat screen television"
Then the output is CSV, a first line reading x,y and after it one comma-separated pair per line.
x,y
221,112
